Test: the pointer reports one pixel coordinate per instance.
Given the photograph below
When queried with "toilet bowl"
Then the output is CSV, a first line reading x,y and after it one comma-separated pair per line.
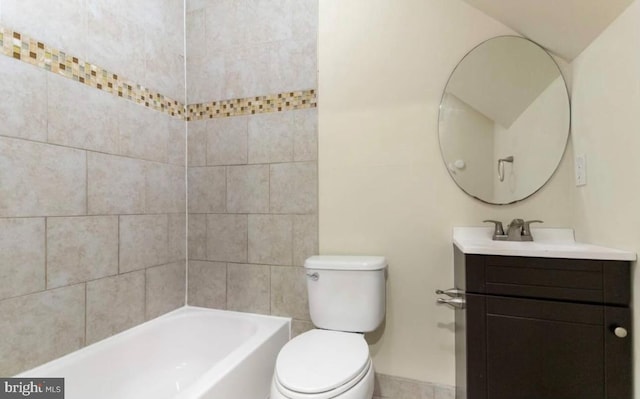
x,y
346,298
322,364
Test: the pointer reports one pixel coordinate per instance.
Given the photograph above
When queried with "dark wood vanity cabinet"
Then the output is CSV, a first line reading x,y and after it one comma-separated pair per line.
x,y
543,328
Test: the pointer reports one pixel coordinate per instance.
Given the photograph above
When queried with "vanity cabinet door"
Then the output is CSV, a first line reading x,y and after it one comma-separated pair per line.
x,y
533,349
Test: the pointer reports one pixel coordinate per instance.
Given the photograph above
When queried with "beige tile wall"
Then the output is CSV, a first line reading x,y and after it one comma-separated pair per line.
x,y
248,48
252,179
253,212
142,40
92,186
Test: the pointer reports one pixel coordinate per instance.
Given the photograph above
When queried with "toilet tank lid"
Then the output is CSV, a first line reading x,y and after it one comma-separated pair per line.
x,y
345,262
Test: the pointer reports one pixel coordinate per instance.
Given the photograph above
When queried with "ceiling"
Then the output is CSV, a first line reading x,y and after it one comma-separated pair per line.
x,y
564,27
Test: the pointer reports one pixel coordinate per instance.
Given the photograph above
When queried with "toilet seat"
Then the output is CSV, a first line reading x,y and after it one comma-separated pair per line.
x,y
327,394
321,363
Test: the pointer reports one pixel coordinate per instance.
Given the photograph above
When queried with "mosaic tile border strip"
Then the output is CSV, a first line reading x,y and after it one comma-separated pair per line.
x,y
24,48
31,51
253,105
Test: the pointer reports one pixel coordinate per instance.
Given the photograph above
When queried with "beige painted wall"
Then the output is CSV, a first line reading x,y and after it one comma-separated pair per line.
x,y
606,126
383,187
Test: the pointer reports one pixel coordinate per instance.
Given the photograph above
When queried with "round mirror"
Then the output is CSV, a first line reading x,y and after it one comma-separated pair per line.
x,y
504,120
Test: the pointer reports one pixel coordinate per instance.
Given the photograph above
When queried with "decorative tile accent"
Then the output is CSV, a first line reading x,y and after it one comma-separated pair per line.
x,y
24,48
31,51
253,105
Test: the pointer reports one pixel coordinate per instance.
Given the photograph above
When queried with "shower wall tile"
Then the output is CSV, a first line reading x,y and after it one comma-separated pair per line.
x,y
144,133
305,139
62,24
164,62
114,35
22,256
39,179
114,304
165,188
208,284
177,237
115,184
224,26
165,287
227,238
143,241
177,142
271,21
293,65
207,187
257,48
80,249
294,187
289,292
271,138
240,54
197,236
210,71
305,238
248,288
227,142
245,73
92,165
25,115
87,124
196,36
305,18
194,5
60,319
164,46
248,189
271,239
197,143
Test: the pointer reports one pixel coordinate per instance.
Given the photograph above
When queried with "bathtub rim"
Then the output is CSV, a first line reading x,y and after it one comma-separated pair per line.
x,y
210,376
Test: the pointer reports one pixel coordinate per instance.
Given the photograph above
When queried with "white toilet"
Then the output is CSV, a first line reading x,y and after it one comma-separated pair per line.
x,y
346,299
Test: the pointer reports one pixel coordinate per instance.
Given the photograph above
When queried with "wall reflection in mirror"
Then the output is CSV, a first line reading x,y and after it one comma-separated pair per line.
x,y
504,120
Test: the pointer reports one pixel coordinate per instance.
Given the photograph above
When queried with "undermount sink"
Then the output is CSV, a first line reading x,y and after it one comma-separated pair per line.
x,y
548,243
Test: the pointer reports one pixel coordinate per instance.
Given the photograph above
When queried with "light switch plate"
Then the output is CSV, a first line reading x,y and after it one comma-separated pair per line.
x,y
581,170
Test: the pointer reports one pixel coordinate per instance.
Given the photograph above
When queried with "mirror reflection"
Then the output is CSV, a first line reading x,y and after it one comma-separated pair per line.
x,y
504,120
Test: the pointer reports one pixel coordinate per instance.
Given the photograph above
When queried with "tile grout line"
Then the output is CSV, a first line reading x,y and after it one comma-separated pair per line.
x,y
86,312
119,216
46,253
186,157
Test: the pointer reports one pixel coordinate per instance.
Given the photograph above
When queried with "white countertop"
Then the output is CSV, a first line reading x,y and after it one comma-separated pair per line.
x,y
548,243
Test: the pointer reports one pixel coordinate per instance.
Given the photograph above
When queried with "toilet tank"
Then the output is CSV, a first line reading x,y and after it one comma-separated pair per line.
x,y
346,293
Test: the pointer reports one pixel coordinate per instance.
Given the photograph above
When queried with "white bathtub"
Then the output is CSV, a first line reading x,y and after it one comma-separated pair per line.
x,y
186,354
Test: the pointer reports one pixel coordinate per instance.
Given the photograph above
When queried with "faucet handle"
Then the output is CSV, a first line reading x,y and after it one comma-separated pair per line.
x,y
526,229
498,230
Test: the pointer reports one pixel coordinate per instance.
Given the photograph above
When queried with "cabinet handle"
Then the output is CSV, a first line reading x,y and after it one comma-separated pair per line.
x,y
456,303
620,332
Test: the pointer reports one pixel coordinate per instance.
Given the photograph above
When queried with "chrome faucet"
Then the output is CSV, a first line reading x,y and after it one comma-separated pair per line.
x,y
514,230
517,230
